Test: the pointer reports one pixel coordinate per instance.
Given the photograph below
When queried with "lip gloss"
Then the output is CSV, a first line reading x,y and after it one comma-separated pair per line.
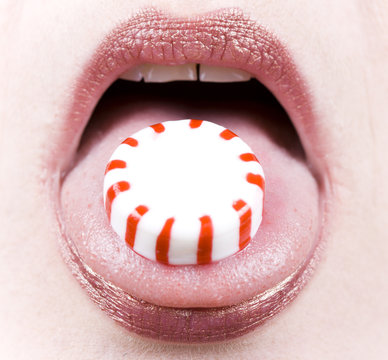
x,y
195,315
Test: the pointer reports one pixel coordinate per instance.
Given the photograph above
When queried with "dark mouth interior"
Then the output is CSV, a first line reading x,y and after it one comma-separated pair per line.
x,y
194,99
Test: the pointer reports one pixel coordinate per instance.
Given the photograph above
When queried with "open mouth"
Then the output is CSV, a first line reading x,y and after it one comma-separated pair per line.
x,y
240,66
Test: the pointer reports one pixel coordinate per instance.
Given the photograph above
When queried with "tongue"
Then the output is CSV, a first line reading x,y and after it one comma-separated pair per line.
x,y
290,223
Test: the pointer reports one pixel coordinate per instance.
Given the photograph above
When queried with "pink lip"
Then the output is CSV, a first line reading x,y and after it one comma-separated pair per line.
x,y
154,37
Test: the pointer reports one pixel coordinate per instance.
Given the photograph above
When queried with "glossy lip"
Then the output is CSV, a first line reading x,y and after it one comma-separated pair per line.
x,y
222,38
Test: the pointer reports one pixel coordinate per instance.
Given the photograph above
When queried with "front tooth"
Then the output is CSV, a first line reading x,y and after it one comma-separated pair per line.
x,y
165,73
209,73
133,74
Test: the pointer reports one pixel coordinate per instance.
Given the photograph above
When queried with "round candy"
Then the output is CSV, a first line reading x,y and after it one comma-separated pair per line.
x,y
184,192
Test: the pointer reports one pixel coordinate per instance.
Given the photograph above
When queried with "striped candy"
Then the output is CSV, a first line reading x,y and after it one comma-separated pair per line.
x,y
184,192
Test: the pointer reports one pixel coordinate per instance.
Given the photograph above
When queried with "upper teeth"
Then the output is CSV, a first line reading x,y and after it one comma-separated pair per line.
x,y
188,72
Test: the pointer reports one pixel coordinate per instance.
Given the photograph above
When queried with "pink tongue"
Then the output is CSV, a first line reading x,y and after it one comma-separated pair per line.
x,y
290,222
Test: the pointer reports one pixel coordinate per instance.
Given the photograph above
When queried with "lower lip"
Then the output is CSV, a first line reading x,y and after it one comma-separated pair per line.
x,y
198,325
189,324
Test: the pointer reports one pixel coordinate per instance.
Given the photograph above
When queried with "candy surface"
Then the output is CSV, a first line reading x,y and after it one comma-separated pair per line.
x,y
184,192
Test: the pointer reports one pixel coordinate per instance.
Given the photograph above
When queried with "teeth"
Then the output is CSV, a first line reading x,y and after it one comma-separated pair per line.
x,y
188,72
165,73
222,74
161,73
133,74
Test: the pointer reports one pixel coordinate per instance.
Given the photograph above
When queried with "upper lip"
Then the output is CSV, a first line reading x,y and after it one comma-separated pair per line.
x,y
224,38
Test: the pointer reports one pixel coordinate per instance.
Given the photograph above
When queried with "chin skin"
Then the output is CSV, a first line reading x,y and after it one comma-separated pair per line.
x,y
341,313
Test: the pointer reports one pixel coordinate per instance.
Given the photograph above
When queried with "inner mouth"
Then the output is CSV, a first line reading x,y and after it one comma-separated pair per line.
x,y
289,230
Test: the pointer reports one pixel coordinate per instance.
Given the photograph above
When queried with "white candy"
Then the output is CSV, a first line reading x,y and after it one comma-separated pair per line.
x,y
184,192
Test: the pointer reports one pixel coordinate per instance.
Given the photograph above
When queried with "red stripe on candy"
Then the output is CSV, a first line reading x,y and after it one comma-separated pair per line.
x,y
112,193
131,142
256,180
115,164
227,134
248,157
205,243
195,123
158,128
163,242
132,222
245,213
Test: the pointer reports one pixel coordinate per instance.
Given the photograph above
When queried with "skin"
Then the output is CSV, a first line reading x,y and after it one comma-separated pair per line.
x,y
341,48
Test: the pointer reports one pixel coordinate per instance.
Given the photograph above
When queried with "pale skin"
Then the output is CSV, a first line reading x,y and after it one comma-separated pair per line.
x,y
341,48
